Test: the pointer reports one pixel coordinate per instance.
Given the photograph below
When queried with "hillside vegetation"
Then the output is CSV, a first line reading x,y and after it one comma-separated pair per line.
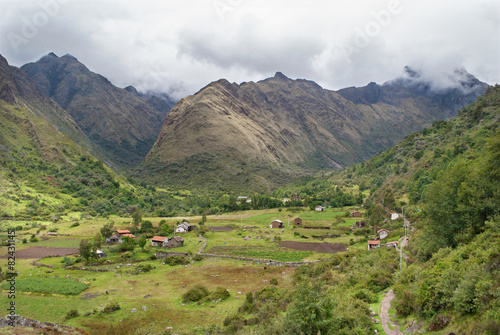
x,y
447,177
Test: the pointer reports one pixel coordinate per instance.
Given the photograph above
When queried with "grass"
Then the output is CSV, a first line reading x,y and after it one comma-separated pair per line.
x,y
164,308
48,285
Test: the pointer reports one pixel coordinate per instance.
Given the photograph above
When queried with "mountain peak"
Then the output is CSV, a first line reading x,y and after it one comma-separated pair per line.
x,y
3,60
411,73
69,56
280,76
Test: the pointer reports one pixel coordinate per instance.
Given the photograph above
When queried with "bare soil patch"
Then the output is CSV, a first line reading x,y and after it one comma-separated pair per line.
x,y
41,252
324,248
221,228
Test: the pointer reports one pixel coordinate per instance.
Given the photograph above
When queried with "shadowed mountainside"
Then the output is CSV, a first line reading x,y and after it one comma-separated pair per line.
x,y
119,122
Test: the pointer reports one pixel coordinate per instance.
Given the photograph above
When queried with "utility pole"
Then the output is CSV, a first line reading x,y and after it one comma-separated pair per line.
x,y
404,239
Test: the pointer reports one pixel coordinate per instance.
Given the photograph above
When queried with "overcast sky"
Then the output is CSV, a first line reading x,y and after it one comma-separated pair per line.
x,y
179,46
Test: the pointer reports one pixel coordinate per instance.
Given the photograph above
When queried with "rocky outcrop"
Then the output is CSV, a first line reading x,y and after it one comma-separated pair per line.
x,y
48,328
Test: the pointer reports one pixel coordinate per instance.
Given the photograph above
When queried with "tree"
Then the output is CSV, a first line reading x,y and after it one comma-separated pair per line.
x,y
97,242
389,201
107,230
311,311
85,249
166,229
142,242
137,216
128,244
203,218
376,216
146,226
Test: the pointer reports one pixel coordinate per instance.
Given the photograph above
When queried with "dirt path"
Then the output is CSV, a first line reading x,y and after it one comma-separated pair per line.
x,y
384,315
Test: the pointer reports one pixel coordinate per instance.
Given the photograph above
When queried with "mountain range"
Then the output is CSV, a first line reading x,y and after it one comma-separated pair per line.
x,y
255,136
251,136
122,123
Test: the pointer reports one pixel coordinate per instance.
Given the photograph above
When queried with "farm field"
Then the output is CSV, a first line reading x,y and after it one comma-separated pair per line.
x,y
160,288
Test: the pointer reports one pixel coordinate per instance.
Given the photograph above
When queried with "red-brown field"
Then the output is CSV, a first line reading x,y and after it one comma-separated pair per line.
x,y
41,252
325,248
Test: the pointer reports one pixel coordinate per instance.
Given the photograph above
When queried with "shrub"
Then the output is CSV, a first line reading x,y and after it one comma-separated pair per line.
x,y
366,296
274,281
197,258
234,323
143,269
126,255
76,224
176,260
195,294
219,293
110,308
72,314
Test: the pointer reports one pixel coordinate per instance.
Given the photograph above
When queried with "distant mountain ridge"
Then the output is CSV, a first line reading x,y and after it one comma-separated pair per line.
x,y
255,136
460,89
119,122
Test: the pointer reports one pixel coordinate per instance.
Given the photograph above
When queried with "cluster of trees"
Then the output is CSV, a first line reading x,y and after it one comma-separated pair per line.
x,y
462,281
330,297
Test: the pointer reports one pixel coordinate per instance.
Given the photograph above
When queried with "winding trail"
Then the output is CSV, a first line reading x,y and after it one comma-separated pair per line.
x,y
384,315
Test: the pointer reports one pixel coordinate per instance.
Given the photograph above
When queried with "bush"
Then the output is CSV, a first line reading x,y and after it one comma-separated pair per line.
x,y
197,258
176,260
76,224
110,308
234,323
72,314
143,269
220,293
274,281
126,255
366,296
195,294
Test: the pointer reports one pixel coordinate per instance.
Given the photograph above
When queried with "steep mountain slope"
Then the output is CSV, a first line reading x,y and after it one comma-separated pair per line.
x,y
259,135
123,126
17,89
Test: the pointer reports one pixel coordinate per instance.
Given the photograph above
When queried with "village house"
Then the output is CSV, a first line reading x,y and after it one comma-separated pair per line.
x,y
175,242
393,244
128,235
115,238
297,222
159,241
319,208
356,214
360,224
276,224
394,216
122,232
183,227
100,254
383,233
373,244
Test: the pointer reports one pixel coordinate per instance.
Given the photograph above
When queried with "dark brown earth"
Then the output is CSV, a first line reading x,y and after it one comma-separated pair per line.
x,y
325,248
221,228
41,252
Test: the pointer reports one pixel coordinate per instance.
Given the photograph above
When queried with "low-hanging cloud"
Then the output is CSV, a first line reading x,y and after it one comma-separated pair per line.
x,y
180,46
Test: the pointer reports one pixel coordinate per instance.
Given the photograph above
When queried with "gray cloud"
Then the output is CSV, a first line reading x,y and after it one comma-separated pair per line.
x,y
180,46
